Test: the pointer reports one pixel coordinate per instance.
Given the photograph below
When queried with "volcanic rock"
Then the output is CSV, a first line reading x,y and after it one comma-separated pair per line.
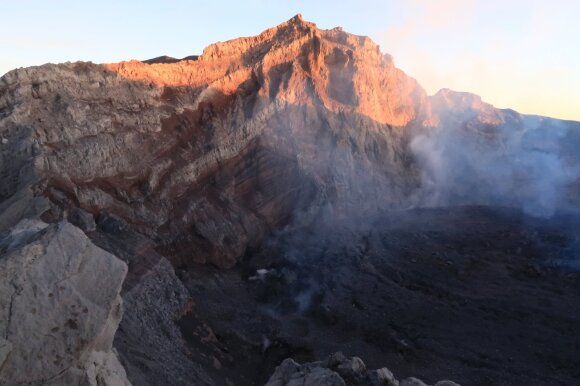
x,y
59,306
207,156
170,163
337,370
148,340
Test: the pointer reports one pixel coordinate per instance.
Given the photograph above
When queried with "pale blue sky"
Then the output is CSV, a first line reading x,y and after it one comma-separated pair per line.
x,y
515,53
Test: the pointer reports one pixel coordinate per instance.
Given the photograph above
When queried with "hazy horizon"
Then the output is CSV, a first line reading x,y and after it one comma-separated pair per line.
x,y
523,55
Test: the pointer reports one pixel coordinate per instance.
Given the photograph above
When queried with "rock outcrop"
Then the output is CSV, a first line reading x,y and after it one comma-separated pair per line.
x,y
207,156
337,370
59,308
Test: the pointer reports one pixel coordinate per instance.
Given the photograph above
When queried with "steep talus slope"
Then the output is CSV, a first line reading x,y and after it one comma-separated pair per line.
x,y
150,344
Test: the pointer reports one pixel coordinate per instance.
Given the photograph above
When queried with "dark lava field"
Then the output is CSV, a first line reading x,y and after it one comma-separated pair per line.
x,y
484,296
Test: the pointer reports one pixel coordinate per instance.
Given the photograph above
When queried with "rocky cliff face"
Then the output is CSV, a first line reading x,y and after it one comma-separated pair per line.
x,y
207,156
168,163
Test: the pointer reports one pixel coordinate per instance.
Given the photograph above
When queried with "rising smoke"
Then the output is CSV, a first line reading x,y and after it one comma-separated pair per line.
x,y
519,163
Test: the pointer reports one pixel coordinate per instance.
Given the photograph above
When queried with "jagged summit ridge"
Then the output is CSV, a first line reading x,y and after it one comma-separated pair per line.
x,y
294,28
343,70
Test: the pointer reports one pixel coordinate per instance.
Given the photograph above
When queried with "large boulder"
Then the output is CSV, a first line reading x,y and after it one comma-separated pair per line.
x,y
59,307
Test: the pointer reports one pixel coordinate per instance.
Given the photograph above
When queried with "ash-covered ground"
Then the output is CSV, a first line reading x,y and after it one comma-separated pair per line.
x,y
483,296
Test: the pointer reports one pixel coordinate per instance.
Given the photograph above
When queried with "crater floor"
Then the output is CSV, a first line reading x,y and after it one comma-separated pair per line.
x,y
483,296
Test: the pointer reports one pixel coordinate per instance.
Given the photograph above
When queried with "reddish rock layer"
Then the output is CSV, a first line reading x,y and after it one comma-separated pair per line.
x,y
206,156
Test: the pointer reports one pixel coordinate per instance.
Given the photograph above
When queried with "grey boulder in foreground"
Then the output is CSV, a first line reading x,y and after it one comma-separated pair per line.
x,y
59,307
